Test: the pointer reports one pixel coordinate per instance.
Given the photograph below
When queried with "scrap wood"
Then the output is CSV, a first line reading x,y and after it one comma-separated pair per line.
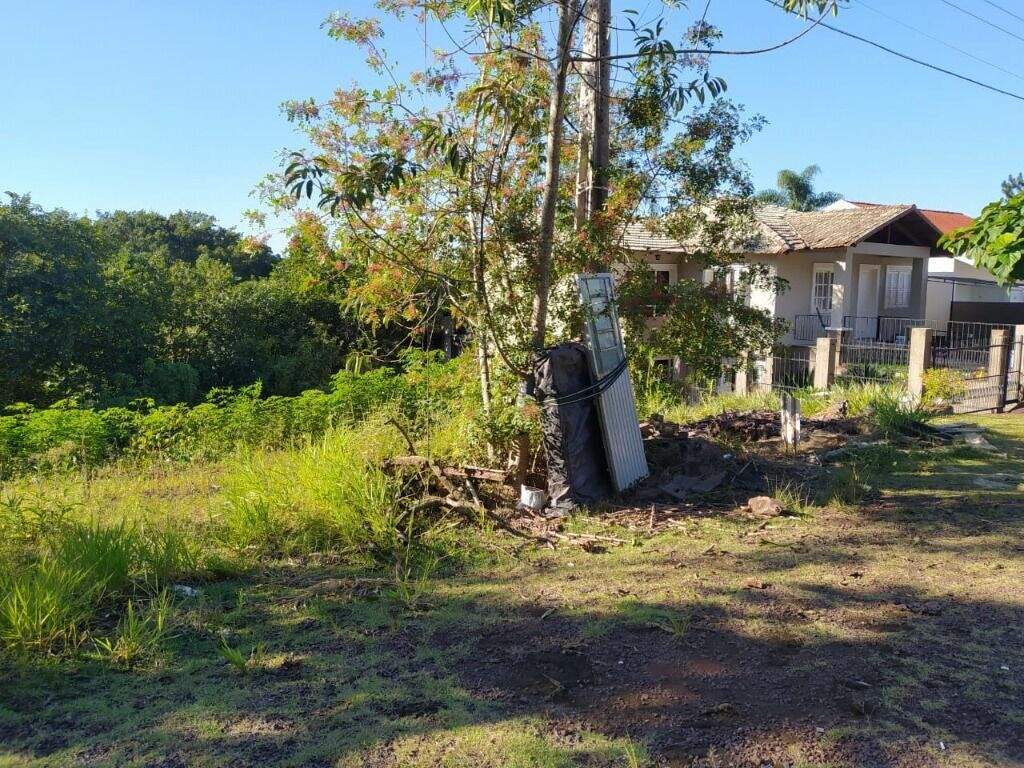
x,y
457,505
455,473
567,536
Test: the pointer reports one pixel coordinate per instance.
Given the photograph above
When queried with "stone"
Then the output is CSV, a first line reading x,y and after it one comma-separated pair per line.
x,y
765,506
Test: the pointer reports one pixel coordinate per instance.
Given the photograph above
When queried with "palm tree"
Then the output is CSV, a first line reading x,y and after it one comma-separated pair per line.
x,y
796,191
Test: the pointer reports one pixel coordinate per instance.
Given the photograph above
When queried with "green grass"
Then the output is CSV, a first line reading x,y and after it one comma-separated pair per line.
x,y
330,625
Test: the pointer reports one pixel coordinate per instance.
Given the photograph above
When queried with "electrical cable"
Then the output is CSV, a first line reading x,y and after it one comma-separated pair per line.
x,y
983,20
939,40
920,62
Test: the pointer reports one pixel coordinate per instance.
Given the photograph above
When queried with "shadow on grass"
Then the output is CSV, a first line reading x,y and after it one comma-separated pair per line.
x,y
753,676
783,652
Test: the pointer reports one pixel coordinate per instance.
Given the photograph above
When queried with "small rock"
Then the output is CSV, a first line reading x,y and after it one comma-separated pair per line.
x,y
857,685
184,590
765,506
993,483
978,441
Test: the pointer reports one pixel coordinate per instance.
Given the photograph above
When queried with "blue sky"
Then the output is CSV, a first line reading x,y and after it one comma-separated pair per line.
x,y
167,106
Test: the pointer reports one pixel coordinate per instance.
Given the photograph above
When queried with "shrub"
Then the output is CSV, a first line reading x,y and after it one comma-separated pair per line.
x,y
428,393
942,386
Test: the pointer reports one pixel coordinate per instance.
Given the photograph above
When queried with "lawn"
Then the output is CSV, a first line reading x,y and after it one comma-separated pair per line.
x,y
881,629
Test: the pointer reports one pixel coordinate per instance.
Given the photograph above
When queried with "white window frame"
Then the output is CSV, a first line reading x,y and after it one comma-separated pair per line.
x,y
818,270
897,296
668,268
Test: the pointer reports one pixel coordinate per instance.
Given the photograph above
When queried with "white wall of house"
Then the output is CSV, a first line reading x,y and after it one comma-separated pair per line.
x,y
941,294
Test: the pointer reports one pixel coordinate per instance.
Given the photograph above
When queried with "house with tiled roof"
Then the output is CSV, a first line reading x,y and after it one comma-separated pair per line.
x,y
957,290
864,269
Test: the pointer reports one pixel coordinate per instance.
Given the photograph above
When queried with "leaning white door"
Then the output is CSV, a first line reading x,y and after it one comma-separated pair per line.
x,y
616,404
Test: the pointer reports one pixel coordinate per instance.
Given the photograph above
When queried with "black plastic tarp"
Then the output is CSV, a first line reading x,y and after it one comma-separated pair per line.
x,y
577,468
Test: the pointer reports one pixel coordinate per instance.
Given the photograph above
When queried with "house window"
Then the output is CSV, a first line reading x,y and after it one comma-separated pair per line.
x,y
897,287
821,288
661,278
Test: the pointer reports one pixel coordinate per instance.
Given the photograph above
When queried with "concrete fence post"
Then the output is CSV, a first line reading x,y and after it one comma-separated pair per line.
x,y
741,384
766,372
839,336
918,361
999,364
824,362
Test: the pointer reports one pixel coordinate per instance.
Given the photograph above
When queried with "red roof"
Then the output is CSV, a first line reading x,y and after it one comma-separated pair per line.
x,y
947,221
944,221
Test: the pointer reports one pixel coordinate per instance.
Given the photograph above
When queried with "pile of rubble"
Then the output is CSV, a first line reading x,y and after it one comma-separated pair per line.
x,y
691,474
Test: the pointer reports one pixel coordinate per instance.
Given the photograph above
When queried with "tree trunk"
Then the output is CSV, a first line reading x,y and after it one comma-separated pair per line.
x,y
567,15
595,84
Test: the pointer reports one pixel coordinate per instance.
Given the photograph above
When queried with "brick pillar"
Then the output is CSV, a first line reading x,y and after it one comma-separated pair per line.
x,y
920,360
824,362
999,363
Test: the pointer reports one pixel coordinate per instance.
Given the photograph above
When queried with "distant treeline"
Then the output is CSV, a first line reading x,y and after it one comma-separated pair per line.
x,y
133,305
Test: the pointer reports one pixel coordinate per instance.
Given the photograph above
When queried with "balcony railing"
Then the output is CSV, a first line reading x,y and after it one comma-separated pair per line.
x,y
884,329
811,327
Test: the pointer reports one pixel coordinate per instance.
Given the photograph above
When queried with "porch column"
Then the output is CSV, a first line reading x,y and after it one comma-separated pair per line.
x,y
919,288
845,288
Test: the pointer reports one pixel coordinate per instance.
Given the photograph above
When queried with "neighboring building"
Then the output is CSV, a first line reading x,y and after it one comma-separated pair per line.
x,y
865,269
953,279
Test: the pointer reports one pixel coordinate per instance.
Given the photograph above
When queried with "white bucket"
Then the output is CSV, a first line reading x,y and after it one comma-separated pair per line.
x,y
532,498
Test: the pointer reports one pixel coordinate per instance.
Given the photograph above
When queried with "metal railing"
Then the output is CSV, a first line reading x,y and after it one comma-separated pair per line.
x,y
872,362
810,327
861,327
790,369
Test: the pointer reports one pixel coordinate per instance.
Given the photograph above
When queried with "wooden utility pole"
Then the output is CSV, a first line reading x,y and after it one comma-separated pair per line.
x,y
595,84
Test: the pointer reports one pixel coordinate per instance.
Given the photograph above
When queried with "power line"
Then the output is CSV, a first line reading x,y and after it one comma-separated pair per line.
x,y
939,40
983,20
1004,10
710,51
904,56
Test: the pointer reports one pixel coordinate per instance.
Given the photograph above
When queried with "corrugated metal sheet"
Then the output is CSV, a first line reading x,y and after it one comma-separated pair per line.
x,y
620,426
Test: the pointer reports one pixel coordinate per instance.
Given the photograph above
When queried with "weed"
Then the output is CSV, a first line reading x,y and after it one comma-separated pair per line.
x,y
656,617
635,756
105,554
794,498
44,608
139,633
846,489
233,656
242,663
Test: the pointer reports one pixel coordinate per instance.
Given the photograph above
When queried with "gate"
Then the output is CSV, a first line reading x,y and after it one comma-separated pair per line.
x,y
984,369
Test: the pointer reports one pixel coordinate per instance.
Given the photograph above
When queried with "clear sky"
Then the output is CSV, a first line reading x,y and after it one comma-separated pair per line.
x,y
176,105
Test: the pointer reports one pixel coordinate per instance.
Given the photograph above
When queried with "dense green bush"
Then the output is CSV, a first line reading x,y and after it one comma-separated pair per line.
x,y
426,394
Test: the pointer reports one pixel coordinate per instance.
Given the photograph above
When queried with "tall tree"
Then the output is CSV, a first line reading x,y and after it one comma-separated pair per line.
x,y
796,190
1013,185
447,182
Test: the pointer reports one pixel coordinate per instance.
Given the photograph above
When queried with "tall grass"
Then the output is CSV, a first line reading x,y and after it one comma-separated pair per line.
x,y
329,494
59,575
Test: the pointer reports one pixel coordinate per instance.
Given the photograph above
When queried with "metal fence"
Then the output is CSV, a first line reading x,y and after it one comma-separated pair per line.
x,y
787,369
869,362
